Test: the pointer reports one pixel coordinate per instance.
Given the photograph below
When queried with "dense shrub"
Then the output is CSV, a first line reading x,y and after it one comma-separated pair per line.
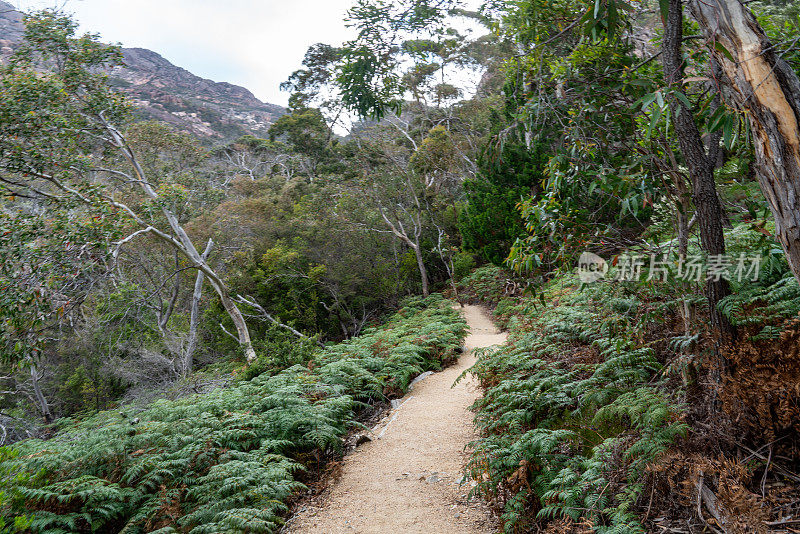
x,y
491,222
485,285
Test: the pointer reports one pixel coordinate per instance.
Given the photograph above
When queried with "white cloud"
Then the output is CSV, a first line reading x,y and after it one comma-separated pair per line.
x,y
255,44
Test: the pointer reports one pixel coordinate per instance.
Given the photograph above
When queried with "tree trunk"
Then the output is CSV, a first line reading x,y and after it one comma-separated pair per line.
x,y
44,407
194,317
224,296
401,234
453,284
765,86
701,165
181,241
423,271
447,260
238,321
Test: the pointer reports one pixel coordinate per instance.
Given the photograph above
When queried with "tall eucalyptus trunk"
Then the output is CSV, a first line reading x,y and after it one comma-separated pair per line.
x,y
44,406
194,317
701,164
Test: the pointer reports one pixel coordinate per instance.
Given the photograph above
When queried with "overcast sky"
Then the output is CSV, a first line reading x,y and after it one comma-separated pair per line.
x,y
252,43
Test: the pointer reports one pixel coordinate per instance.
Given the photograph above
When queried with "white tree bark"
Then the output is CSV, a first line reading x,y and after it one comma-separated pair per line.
x,y
400,232
44,407
181,242
194,316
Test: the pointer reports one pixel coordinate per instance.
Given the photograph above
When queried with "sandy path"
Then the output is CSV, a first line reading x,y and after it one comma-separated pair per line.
x,y
408,480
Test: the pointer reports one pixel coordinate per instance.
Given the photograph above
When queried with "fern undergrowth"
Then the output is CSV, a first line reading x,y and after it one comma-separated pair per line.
x,y
226,461
574,411
588,394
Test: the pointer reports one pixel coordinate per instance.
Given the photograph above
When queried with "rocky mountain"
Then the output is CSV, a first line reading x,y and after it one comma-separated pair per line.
x,y
214,111
11,27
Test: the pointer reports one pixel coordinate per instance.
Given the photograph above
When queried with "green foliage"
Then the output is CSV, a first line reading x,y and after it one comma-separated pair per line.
x,y
463,265
306,133
485,284
491,222
319,63
85,387
415,341
12,479
574,411
781,22
279,349
53,240
368,75
304,263
39,257
598,185
293,288
368,88
226,461
400,47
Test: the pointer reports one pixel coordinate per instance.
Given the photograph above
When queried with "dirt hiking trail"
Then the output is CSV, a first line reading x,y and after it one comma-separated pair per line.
x,y
408,480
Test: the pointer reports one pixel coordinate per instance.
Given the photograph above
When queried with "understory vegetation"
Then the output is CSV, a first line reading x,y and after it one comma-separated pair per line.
x,y
228,460
603,412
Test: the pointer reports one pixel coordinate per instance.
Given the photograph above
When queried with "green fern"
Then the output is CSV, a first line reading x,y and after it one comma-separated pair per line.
x,y
226,461
572,402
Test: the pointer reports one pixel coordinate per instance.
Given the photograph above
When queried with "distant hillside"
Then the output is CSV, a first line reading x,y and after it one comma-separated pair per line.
x,y
172,94
214,111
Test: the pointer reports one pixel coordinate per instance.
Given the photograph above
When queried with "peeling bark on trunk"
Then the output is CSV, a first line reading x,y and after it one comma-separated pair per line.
x,y
701,165
767,88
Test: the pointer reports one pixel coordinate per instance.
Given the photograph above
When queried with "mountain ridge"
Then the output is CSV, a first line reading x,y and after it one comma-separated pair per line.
x,y
160,90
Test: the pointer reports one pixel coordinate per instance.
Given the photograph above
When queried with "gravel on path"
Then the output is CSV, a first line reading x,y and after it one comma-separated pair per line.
x,y
410,480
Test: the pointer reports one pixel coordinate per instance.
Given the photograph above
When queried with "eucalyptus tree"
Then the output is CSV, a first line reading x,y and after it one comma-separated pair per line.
x,y
387,181
309,138
61,144
415,144
700,160
767,88
254,158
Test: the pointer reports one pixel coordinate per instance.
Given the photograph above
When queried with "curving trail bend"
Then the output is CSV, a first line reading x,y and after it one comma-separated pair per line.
x,y
408,481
